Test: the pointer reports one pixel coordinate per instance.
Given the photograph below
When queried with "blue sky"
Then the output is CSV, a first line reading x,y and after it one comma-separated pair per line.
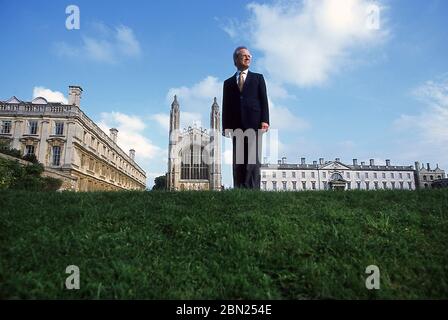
x,y
338,86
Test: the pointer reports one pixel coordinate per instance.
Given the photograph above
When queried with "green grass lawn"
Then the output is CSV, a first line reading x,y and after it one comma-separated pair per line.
x,y
224,245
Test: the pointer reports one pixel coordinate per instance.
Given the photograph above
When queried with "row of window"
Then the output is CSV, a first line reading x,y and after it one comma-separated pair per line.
x,y
56,159
32,126
55,153
105,151
367,185
5,127
338,176
29,150
431,178
105,171
193,166
194,172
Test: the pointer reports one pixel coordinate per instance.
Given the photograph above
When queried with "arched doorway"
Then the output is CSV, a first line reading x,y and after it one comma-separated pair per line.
x,y
337,182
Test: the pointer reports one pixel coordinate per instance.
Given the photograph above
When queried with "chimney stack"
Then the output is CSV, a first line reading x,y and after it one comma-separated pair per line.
x,y
428,167
372,162
387,162
113,134
283,160
355,162
321,160
74,95
337,159
279,161
417,165
315,163
302,160
363,163
132,154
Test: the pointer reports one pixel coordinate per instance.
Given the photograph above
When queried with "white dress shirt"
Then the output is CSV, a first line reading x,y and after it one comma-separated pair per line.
x,y
244,75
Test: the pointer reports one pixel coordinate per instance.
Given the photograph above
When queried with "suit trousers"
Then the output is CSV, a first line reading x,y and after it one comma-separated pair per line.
x,y
246,160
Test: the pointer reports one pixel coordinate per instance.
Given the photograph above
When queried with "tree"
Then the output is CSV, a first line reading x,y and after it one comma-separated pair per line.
x,y
15,176
159,183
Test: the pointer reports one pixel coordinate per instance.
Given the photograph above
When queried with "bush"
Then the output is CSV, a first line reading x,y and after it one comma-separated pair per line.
x,y
11,152
10,172
51,184
31,158
18,177
6,176
4,144
34,169
28,183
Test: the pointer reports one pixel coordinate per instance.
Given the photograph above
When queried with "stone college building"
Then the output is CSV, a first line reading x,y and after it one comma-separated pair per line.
x,y
65,140
194,155
335,175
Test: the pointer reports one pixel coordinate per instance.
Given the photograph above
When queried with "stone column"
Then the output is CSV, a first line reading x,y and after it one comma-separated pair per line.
x,y
43,145
17,133
69,154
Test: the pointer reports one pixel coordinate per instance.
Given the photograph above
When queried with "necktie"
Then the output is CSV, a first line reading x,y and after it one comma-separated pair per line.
x,y
241,82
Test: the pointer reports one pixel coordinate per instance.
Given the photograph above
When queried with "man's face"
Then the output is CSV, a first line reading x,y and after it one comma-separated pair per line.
x,y
244,59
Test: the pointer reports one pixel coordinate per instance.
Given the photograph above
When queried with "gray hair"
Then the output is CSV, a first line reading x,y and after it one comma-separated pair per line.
x,y
236,52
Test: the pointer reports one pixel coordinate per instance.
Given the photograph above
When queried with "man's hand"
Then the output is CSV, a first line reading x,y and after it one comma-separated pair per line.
x,y
264,126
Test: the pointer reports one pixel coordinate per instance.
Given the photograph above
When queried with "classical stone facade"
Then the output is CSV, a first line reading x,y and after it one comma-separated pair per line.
x,y
194,161
425,177
327,175
440,183
68,142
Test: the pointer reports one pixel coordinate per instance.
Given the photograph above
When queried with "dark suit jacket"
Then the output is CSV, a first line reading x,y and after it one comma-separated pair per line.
x,y
246,109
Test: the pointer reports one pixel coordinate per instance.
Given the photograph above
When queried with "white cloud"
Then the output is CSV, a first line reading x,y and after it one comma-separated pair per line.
x,y
228,155
277,91
282,118
199,96
104,44
51,96
126,122
192,119
130,134
299,147
231,26
432,123
126,41
304,42
65,50
426,134
163,119
196,101
187,119
434,93
98,49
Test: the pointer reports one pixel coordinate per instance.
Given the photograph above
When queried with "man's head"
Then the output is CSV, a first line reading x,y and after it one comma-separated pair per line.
x,y
242,58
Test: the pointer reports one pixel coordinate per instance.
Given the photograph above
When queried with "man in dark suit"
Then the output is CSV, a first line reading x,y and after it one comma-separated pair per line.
x,y
245,116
